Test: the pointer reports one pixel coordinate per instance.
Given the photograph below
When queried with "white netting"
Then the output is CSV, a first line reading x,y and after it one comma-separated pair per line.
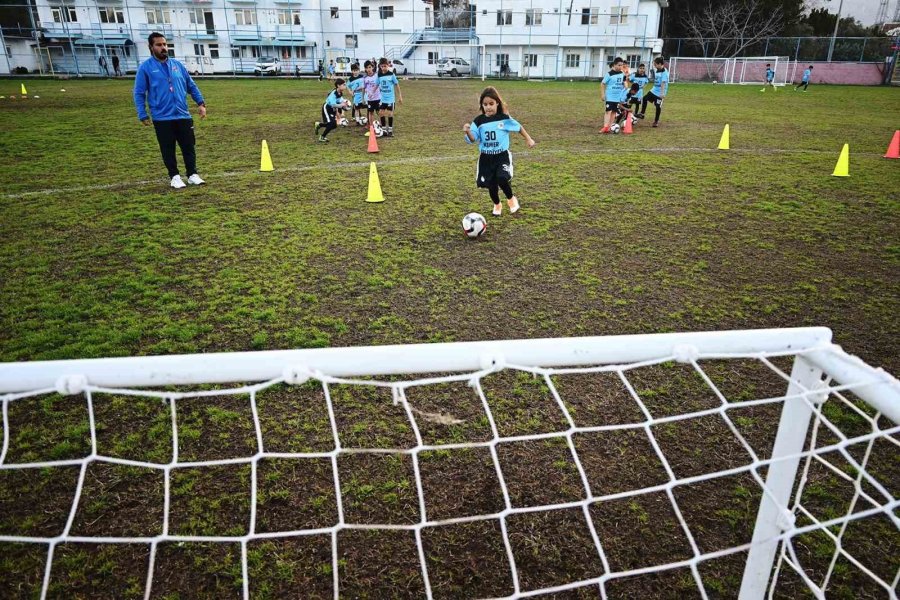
x,y
370,457
747,70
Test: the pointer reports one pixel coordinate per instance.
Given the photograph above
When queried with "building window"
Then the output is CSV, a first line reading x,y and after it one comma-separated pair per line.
x,y
590,16
109,14
532,16
158,16
235,52
288,17
504,17
64,14
199,50
351,41
214,51
500,60
300,51
573,61
334,12
619,15
531,60
386,12
171,48
427,17
633,60
9,51
196,15
364,12
432,58
244,16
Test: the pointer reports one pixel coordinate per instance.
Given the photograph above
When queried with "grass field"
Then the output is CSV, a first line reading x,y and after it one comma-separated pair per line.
x,y
648,233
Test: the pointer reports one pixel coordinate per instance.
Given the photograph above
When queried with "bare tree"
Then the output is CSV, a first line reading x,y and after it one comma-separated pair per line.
x,y
453,14
726,29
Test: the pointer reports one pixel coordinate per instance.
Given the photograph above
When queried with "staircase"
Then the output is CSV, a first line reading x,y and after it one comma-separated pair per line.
x,y
461,35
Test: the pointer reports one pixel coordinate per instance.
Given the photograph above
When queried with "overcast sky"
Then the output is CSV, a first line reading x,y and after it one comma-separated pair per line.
x,y
864,11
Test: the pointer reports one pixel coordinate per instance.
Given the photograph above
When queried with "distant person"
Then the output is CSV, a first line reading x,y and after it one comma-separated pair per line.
x,y
612,92
770,78
660,88
334,103
804,83
504,69
103,66
330,69
372,95
115,61
642,80
389,87
164,83
356,85
321,70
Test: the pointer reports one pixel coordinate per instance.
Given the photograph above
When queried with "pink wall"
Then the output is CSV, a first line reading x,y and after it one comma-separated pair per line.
x,y
823,72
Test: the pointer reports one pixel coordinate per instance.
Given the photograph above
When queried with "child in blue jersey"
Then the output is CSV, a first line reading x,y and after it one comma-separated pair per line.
x,y
491,131
355,85
659,91
770,78
333,103
390,91
804,83
372,93
641,79
612,91
623,111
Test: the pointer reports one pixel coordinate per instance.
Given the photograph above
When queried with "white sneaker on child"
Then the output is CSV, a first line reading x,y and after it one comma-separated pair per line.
x,y
195,180
178,183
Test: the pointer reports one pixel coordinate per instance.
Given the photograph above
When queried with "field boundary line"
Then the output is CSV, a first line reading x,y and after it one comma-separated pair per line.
x,y
123,185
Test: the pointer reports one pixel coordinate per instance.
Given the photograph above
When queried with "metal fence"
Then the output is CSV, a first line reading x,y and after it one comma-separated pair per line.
x,y
803,49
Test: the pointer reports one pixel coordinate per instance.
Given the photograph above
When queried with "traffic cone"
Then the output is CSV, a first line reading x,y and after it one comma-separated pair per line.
x,y
373,145
723,143
24,91
265,161
628,129
893,150
375,194
842,168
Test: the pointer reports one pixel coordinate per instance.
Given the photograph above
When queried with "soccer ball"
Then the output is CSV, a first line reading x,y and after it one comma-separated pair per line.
x,y
634,119
378,130
344,122
474,225
363,121
614,128
715,81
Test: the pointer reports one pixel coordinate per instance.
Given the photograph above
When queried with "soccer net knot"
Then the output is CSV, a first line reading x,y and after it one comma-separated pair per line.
x,y
685,353
70,385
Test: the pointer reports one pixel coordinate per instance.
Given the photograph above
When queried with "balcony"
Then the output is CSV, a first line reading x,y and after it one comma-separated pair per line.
x,y
244,33
290,33
64,30
146,29
198,32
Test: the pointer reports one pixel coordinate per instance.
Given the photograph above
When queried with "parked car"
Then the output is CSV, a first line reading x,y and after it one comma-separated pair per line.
x,y
267,65
342,66
454,67
399,67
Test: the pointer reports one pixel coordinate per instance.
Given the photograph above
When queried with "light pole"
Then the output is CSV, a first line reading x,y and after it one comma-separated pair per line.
x,y
834,35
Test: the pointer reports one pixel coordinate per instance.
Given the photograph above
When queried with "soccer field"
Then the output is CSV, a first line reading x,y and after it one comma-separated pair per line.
x,y
653,232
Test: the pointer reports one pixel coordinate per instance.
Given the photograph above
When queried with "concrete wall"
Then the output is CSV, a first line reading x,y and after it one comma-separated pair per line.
x,y
844,73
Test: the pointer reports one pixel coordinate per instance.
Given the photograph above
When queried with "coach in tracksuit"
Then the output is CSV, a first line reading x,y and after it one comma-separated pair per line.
x,y
163,82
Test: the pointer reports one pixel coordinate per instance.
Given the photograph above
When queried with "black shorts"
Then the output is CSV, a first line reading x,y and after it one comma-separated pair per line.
x,y
493,168
389,107
652,98
327,114
361,106
612,106
373,105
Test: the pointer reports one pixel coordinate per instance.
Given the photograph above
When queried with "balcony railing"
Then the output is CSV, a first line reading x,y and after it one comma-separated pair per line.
x,y
146,29
290,32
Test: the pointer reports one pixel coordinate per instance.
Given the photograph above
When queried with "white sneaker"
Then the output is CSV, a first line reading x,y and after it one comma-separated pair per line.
x,y
178,183
195,180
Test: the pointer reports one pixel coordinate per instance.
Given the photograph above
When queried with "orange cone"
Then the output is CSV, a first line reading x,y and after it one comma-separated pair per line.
x,y
373,143
893,150
628,128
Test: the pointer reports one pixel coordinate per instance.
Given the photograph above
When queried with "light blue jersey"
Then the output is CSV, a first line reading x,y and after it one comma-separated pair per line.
x,y
386,83
334,99
641,80
661,78
806,75
355,85
615,86
770,75
492,133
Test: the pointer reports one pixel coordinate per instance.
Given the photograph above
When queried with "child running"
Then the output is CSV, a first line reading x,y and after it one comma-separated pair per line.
x,y
612,92
372,92
333,103
641,79
804,82
770,78
491,131
659,91
355,85
389,86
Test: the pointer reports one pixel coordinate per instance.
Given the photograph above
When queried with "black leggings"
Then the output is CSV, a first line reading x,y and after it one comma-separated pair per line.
x,y
494,188
181,131
657,102
804,84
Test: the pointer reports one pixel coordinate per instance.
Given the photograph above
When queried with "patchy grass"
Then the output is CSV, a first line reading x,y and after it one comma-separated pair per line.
x,y
648,233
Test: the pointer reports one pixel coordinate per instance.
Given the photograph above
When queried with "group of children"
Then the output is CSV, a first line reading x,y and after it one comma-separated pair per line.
x,y
623,93
374,93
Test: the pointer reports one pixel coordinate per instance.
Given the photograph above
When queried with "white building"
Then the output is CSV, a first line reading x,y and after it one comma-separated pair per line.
x,y
537,38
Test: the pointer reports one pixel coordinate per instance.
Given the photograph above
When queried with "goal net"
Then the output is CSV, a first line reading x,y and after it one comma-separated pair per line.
x,y
741,70
712,464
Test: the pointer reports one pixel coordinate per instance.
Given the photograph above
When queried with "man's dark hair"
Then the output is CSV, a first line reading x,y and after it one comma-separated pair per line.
x,y
153,36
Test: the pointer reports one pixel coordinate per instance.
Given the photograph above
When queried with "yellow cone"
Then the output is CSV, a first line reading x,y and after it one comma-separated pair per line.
x,y
24,91
374,185
842,168
723,143
265,162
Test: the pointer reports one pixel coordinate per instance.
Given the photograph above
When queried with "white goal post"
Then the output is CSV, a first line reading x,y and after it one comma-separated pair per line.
x,y
737,70
805,435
